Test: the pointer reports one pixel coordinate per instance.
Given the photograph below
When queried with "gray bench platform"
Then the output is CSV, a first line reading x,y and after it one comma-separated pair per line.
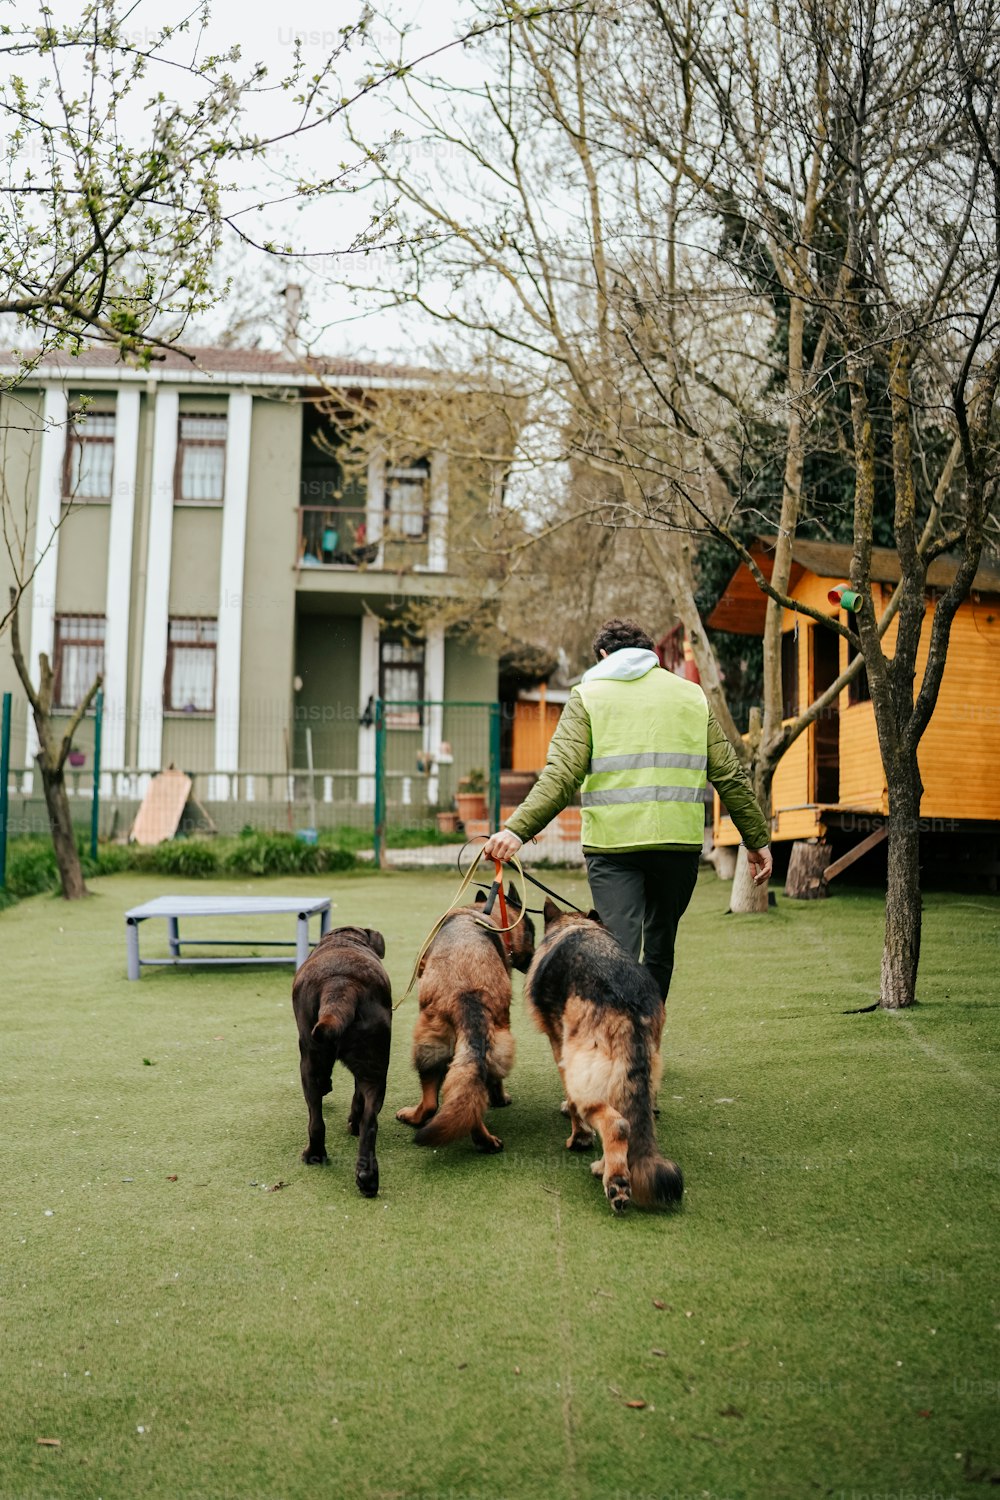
x,y
175,907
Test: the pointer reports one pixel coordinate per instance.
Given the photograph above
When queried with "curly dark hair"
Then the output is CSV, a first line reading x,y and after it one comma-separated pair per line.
x,y
616,635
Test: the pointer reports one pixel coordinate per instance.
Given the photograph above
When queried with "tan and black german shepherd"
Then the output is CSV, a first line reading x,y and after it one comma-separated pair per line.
x,y
603,1015
462,1044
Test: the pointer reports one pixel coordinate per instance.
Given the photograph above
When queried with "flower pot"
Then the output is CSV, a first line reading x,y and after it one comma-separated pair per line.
x,y
471,805
447,822
77,758
477,828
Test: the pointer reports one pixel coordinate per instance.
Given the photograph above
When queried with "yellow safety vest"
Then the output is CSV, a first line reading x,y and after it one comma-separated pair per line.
x,y
648,762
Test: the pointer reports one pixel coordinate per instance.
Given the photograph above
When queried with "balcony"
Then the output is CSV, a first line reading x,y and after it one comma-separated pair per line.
x,y
332,536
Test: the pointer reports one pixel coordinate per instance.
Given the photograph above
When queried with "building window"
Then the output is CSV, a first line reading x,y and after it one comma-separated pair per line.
x,y
79,657
90,456
200,475
401,680
406,501
789,674
189,685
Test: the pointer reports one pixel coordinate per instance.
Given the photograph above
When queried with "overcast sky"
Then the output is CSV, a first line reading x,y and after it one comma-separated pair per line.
x,y
351,326
326,227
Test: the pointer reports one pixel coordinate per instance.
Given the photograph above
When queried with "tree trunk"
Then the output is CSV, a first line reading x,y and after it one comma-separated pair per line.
x,y
61,825
901,952
746,899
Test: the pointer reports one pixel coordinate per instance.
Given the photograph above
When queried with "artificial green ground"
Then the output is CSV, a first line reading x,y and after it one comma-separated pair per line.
x,y
821,1318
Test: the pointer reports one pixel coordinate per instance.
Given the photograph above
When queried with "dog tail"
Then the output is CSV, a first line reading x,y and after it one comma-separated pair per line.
x,y
465,1093
338,1004
656,1181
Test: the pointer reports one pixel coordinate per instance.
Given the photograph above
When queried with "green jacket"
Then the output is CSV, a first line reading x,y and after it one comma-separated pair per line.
x,y
568,762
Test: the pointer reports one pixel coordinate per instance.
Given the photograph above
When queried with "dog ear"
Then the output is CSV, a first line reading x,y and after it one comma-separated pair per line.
x,y
513,899
480,898
550,911
595,917
376,941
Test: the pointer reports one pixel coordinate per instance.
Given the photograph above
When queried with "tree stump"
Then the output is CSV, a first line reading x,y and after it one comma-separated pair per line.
x,y
804,881
723,858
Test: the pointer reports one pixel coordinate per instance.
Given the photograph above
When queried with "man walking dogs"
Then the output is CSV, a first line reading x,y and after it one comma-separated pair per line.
x,y
641,743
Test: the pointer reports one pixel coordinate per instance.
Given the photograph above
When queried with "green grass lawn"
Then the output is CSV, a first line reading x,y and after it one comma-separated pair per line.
x,y
821,1317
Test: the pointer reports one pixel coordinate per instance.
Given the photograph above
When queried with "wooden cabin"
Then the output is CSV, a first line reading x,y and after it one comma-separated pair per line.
x,y
832,774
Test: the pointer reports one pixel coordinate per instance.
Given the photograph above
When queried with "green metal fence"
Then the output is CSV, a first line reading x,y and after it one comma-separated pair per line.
x,y
436,777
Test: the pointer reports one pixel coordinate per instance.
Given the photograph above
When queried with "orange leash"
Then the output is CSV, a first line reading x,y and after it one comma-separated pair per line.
x,y
503,905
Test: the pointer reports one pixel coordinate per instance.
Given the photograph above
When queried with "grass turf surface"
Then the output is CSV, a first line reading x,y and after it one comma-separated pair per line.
x,y
829,1321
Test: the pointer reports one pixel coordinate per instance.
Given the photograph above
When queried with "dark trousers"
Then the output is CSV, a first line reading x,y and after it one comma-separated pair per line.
x,y
640,898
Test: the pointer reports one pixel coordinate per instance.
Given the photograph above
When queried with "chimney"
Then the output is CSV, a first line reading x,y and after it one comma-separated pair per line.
x,y
293,313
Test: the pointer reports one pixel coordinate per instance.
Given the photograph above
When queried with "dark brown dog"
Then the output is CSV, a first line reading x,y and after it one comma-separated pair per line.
x,y
343,1006
603,1016
462,1044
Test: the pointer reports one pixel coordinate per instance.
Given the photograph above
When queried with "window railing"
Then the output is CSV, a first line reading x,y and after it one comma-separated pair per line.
x,y
344,537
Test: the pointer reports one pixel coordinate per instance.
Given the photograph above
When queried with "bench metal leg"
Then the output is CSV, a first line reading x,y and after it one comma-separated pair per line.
x,y
132,946
302,940
173,937
325,922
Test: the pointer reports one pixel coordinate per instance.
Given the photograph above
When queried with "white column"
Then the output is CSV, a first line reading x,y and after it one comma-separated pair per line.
x,y
41,630
367,688
434,692
119,585
375,510
158,556
234,533
437,515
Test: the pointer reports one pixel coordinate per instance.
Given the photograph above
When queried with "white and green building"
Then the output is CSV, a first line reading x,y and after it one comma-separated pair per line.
x,y
241,595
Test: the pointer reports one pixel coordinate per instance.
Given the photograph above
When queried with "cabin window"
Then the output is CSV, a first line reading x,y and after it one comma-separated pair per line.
x,y
401,680
789,674
79,657
200,474
88,473
189,683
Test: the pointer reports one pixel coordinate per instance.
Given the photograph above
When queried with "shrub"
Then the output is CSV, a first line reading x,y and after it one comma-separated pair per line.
x,y
184,857
281,854
31,867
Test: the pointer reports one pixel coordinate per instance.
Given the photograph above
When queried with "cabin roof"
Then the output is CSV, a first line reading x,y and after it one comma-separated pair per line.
x,y
742,606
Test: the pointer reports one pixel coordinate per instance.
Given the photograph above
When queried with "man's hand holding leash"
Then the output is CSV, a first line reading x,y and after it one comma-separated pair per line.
x,y
501,845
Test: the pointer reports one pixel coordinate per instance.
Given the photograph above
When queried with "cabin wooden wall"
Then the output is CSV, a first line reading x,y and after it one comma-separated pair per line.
x,y
959,753
534,726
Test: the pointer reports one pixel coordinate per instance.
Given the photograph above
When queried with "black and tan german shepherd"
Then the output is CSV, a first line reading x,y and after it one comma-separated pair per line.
x,y
343,1007
603,1015
462,1043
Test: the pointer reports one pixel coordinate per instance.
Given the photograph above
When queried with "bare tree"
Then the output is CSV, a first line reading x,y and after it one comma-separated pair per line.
x,y
854,174
731,253
54,745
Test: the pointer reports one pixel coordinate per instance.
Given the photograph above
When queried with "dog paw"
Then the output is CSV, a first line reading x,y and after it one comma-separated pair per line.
x,y
619,1193
314,1158
580,1140
414,1116
487,1143
367,1181
500,1099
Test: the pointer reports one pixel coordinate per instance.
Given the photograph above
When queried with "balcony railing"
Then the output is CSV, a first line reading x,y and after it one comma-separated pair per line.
x,y
344,537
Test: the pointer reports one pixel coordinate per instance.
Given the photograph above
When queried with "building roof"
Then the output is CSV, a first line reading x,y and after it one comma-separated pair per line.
x,y
742,607
193,363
